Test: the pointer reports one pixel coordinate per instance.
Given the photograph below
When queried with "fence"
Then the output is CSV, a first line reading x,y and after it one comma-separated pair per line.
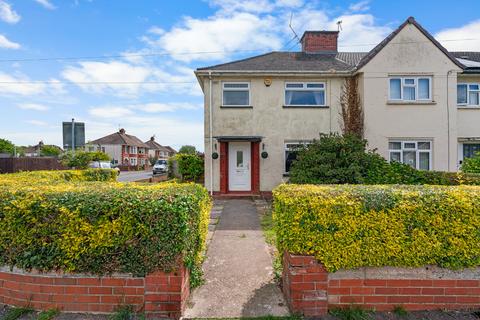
x,y
12,165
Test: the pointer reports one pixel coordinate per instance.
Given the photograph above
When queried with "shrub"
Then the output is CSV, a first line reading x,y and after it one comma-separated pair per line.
x,y
100,227
6,146
50,151
471,165
80,159
190,166
348,226
58,176
187,149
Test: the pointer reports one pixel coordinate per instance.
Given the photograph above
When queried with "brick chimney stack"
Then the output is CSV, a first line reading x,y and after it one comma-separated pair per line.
x,y
320,42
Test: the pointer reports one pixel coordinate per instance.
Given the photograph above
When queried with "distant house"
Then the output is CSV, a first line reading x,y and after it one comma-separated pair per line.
x,y
36,150
158,151
122,148
171,151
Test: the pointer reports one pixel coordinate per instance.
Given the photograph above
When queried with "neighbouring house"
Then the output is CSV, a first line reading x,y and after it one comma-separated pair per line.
x,y
420,102
36,150
157,151
171,152
123,149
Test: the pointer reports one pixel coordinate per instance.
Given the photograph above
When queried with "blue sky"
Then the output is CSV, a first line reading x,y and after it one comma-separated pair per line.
x,y
130,63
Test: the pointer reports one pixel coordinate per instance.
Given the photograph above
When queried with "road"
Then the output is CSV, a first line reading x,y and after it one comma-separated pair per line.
x,y
131,176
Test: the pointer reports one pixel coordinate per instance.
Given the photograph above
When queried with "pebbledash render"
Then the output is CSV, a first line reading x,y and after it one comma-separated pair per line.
x,y
421,106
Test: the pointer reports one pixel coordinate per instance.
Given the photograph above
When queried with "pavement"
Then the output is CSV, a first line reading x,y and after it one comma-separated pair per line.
x,y
239,279
132,176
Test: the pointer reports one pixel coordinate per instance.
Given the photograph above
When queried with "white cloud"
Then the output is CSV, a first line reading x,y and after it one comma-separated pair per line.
x,y
8,44
37,123
33,106
360,6
465,38
19,84
238,31
7,14
46,4
110,112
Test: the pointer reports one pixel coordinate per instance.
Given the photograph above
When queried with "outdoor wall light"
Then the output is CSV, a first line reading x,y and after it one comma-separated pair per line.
x,y
264,153
215,153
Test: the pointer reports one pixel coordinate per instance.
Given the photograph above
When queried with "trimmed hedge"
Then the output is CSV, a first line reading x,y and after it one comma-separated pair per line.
x,y
352,226
59,176
101,227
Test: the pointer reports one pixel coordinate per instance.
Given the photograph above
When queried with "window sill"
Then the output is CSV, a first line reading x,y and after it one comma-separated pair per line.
x,y
236,107
394,102
469,107
306,107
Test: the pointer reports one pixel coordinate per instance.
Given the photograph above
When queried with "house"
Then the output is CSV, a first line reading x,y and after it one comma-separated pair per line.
x,y
36,150
157,151
171,151
420,105
123,149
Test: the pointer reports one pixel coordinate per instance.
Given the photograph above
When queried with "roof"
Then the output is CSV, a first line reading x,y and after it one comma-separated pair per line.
x,y
282,61
121,138
152,144
170,149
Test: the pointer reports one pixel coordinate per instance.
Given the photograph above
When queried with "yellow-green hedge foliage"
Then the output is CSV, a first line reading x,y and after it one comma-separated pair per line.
x,y
348,226
103,227
58,176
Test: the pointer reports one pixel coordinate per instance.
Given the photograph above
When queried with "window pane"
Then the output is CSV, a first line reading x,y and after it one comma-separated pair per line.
x,y
462,94
409,145
395,89
409,93
469,150
410,158
424,161
395,156
312,98
314,85
409,81
424,88
235,85
473,87
395,145
294,85
473,98
235,98
290,156
239,159
424,145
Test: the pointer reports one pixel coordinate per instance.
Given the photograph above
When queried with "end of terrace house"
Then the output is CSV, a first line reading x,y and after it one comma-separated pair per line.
x,y
420,102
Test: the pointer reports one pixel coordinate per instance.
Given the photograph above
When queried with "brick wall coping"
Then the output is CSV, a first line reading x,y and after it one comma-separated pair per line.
x,y
427,272
61,274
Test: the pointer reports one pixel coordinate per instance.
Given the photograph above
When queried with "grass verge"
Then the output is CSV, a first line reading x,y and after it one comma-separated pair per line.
x,y
268,227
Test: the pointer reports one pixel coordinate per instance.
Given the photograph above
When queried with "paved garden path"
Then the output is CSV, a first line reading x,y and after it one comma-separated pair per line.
x,y
238,269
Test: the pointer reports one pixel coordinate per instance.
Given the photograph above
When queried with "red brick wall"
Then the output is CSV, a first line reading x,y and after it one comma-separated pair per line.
x,y
319,41
158,294
311,290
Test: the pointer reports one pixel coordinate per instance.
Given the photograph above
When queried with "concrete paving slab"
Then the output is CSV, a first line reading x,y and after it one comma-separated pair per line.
x,y
239,279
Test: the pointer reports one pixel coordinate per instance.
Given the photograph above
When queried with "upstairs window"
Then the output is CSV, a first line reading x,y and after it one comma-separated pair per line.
x,y
417,154
305,94
468,94
410,88
236,94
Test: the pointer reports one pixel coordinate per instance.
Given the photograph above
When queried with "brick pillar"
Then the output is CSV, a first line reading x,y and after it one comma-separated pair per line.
x,y
166,294
305,285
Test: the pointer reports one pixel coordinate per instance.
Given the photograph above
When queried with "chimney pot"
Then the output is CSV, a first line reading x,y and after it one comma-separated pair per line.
x,y
122,131
320,42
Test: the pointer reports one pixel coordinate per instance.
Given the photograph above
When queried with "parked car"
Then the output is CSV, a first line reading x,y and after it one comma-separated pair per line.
x,y
103,165
160,167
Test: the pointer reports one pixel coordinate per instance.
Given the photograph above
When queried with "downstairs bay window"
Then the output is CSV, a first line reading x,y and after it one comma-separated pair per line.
x,y
417,154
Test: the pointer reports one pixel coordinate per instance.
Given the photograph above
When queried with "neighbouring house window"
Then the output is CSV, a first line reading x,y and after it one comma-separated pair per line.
x,y
470,149
133,150
236,94
410,88
133,161
417,154
305,94
468,94
291,152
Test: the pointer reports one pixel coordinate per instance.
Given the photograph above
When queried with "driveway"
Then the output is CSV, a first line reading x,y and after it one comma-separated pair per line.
x,y
239,280
132,176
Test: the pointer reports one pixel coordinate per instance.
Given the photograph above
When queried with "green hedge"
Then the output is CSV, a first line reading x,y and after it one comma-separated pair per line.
x,y
101,227
351,226
59,176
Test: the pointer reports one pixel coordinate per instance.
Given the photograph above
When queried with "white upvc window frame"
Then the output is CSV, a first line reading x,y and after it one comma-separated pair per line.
x,y
247,88
416,84
287,148
305,88
467,104
418,151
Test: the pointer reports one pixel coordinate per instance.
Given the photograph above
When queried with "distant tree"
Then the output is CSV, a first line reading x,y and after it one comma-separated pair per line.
x,y
6,146
80,159
187,149
50,151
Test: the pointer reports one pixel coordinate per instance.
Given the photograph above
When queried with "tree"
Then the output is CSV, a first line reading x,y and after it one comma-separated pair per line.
x,y
80,159
49,151
6,146
187,149
351,111
190,166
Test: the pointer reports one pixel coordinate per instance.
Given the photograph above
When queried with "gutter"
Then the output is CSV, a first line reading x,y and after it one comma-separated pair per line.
x,y
200,73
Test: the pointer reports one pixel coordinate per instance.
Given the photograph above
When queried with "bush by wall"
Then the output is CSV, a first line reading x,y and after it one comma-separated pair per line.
x,y
471,165
348,226
100,228
190,166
